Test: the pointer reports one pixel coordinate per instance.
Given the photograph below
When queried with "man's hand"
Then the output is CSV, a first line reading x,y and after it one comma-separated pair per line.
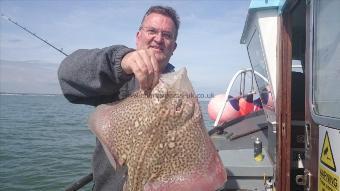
x,y
143,64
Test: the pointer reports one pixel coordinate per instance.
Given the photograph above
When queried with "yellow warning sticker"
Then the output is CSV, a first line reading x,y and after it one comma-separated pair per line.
x,y
326,157
328,181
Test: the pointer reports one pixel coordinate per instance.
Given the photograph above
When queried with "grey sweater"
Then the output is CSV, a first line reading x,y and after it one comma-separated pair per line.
x,y
96,77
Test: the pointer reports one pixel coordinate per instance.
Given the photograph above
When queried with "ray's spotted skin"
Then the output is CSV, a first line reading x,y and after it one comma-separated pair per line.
x,y
161,138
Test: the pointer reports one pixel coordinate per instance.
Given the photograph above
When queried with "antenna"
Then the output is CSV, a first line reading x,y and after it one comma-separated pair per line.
x,y
25,29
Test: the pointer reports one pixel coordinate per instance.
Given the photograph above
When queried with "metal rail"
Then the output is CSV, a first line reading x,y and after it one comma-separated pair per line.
x,y
80,183
240,72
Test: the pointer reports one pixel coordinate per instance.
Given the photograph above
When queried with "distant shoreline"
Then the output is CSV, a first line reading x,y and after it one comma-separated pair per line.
x,y
29,94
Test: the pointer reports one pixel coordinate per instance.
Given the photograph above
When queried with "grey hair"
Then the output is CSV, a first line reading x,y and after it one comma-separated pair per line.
x,y
166,11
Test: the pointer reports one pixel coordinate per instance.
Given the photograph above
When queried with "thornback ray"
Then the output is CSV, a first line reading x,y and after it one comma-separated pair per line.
x,y
161,138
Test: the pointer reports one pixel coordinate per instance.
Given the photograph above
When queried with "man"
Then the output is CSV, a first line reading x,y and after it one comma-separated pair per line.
x,y
105,75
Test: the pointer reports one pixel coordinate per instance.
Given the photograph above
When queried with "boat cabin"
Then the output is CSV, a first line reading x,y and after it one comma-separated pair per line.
x,y
295,46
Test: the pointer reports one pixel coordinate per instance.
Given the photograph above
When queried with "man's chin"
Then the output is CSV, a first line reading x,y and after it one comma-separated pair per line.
x,y
156,50
159,55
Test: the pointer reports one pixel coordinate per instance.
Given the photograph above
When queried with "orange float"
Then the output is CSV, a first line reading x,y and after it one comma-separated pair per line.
x,y
257,104
246,105
231,110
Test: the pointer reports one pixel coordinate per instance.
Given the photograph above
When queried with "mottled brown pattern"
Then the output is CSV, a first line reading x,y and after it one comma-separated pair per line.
x,y
161,138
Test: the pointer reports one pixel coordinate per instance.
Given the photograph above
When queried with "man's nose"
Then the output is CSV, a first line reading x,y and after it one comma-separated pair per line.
x,y
159,37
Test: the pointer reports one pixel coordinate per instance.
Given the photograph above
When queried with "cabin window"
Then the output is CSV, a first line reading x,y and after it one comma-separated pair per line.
x,y
257,59
326,64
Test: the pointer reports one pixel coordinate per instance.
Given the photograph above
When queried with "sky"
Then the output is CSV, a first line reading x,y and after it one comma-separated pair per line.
x,y
208,42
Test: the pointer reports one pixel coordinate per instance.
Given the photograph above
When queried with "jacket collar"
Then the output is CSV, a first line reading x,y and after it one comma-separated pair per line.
x,y
169,68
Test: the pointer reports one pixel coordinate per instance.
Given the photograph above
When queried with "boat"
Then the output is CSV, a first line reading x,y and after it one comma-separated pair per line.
x,y
295,45
293,141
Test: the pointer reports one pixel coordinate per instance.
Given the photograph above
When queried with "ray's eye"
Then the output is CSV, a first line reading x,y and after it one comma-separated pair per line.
x,y
178,105
159,95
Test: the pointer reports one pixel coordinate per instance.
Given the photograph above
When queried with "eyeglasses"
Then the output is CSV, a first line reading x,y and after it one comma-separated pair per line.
x,y
151,32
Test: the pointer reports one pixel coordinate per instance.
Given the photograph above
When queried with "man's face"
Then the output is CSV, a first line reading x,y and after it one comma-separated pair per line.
x,y
158,34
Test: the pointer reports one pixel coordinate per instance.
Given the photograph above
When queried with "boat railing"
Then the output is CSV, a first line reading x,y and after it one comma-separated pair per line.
x,y
227,98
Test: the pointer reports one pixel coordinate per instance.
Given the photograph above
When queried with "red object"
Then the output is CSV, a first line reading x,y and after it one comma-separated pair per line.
x,y
246,105
231,110
257,104
267,97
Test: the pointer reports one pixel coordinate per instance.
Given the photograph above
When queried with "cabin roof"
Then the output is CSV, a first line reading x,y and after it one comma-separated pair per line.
x,y
263,4
258,5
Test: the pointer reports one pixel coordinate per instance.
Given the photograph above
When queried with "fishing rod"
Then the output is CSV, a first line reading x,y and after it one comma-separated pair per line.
x,y
88,178
33,34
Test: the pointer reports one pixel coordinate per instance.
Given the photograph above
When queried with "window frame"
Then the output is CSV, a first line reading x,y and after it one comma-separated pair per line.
x,y
254,32
318,118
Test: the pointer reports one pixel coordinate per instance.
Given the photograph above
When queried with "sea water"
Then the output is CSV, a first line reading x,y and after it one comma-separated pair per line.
x,y
45,143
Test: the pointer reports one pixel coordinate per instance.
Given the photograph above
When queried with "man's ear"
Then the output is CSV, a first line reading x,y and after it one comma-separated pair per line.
x,y
137,38
175,46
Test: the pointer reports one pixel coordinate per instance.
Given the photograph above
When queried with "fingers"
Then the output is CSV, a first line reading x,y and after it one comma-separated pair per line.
x,y
147,68
156,71
144,66
141,74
